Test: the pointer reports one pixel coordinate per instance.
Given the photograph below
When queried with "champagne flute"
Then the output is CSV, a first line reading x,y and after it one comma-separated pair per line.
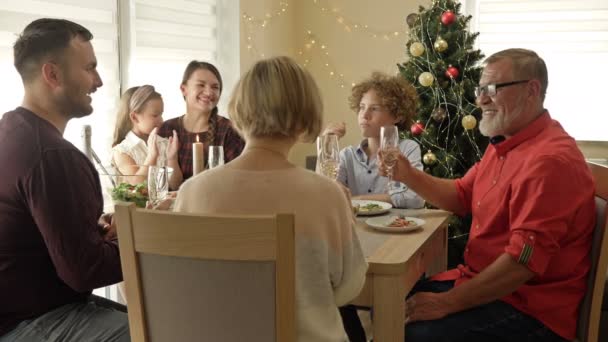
x,y
158,183
216,156
328,155
389,145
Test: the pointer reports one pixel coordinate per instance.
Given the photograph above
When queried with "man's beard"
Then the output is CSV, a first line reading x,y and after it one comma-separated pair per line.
x,y
74,109
491,126
500,123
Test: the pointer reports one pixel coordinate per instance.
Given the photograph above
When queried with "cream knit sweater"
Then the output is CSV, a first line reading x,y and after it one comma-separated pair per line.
x,y
330,266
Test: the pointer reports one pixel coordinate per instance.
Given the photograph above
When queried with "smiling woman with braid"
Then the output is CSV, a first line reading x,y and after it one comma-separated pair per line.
x,y
201,87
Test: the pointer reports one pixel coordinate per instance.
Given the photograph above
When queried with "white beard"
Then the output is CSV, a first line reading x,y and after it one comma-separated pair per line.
x,y
491,126
499,123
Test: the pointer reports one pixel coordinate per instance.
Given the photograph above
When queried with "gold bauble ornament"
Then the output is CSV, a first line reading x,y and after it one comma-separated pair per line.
x,y
429,158
416,49
440,45
439,114
469,122
426,79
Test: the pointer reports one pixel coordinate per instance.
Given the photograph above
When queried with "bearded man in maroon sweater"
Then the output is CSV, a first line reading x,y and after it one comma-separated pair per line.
x,y
54,248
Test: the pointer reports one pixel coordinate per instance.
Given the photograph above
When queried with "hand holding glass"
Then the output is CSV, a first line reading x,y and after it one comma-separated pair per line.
x,y
389,145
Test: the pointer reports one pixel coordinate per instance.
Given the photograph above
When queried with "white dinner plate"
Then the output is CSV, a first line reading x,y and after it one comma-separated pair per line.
x,y
382,224
363,211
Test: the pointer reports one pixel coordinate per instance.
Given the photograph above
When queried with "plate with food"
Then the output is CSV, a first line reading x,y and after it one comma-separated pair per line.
x,y
395,224
366,207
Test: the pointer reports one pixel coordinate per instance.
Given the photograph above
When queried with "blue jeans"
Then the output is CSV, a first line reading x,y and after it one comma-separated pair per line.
x,y
97,319
495,321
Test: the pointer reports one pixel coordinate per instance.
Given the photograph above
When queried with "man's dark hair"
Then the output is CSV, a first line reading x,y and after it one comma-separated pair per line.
x,y
44,38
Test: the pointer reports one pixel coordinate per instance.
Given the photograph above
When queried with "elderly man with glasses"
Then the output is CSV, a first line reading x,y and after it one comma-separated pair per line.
x,y
532,201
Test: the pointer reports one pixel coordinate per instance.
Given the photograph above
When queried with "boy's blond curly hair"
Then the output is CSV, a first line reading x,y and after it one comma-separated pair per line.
x,y
397,95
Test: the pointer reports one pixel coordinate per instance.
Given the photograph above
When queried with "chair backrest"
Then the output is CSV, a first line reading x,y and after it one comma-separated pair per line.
x,y
207,278
590,311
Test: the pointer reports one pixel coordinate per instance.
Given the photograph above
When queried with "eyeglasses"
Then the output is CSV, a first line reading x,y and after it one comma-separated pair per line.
x,y
490,89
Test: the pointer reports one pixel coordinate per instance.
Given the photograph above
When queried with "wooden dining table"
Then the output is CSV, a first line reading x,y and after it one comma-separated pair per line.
x,y
396,262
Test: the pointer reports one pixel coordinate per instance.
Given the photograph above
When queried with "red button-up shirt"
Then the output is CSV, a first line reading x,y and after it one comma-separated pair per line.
x,y
532,197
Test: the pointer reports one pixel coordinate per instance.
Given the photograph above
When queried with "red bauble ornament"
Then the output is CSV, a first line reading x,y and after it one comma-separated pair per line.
x,y
417,128
448,18
452,72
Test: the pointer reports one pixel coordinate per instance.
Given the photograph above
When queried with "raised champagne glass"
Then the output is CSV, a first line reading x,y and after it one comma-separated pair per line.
x,y
389,145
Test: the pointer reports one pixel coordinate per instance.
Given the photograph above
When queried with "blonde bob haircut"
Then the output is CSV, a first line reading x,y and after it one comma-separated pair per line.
x,y
277,98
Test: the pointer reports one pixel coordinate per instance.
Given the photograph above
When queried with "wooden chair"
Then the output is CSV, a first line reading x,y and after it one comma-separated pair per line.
x,y
589,316
207,278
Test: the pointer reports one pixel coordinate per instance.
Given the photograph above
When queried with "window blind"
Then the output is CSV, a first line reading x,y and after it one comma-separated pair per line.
x,y
571,36
163,37
100,17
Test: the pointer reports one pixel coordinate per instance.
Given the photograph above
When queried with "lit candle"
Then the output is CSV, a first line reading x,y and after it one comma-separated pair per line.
x,y
198,157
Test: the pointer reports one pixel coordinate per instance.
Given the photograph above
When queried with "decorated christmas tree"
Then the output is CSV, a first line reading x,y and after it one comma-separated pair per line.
x,y
444,67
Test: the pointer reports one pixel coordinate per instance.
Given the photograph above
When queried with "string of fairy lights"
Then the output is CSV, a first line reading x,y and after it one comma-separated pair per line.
x,y
251,23
349,25
312,46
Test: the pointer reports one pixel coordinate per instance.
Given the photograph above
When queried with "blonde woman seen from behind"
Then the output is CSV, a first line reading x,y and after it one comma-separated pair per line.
x,y
276,104
136,146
